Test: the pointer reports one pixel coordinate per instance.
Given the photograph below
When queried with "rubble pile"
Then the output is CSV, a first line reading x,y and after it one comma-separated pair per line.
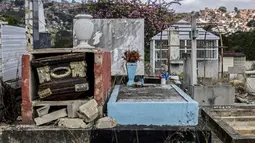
x,y
80,115
245,89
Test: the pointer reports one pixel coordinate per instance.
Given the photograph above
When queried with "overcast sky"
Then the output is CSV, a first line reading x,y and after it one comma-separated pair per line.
x,y
190,5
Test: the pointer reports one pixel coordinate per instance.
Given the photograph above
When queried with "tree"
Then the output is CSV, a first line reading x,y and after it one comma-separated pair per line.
x,y
243,42
155,17
223,9
12,20
251,23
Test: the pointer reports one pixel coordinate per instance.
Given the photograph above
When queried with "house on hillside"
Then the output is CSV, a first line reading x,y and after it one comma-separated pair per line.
x,y
181,43
233,59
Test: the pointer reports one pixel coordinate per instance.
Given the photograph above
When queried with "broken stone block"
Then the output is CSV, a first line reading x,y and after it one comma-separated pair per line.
x,y
89,109
43,110
101,111
86,119
72,123
106,122
73,108
51,117
90,124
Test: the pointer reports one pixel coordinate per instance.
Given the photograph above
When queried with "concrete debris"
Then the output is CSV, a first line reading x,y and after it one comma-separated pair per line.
x,y
175,78
72,123
43,110
240,89
237,82
86,119
243,100
90,124
51,117
106,122
73,108
100,110
19,118
177,82
89,110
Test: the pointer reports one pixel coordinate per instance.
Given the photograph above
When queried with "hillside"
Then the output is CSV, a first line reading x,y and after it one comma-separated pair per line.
x,y
228,22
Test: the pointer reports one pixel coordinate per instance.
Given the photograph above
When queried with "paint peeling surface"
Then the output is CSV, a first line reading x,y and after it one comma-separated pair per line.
x,y
118,35
158,105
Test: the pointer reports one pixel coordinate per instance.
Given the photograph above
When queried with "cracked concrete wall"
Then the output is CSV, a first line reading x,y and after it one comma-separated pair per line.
x,y
214,95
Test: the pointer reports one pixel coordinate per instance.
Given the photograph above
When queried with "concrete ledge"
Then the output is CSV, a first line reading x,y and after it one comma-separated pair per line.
x,y
35,134
119,134
177,113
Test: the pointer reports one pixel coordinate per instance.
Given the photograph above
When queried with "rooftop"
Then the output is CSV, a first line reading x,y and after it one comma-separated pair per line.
x,y
183,30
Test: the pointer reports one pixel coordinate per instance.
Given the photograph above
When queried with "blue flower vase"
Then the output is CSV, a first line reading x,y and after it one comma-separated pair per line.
x,y
131,71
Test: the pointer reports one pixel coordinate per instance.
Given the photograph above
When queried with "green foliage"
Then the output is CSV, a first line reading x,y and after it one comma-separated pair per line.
x,y
12,20
251,23
243,42
63,39
155,18
223,9
13,17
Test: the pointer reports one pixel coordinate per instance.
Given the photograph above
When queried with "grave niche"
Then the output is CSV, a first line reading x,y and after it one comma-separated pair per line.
x,y
64,76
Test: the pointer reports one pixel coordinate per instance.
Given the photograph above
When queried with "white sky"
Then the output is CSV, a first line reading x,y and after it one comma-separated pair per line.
x,y
190,5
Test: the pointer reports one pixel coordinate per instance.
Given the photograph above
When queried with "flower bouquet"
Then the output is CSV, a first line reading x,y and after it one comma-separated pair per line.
x,y
164,77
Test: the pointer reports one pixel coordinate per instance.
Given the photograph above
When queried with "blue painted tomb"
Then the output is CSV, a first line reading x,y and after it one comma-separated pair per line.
x,y
152,105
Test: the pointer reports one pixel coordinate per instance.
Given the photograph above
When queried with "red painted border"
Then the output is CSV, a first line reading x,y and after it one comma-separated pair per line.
x,y
26,109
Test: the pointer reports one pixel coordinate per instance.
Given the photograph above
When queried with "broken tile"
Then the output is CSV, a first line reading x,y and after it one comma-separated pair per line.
x,y
43,110
73,108
51,117
86,119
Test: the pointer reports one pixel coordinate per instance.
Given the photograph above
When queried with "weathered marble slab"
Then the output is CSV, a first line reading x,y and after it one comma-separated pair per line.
x,y
118,35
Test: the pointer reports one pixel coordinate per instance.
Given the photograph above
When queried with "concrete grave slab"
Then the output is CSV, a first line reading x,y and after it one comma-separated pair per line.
x,y
231,123
152,105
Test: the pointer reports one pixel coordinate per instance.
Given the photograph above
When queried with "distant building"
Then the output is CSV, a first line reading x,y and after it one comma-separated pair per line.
x,y
233,59
181,43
